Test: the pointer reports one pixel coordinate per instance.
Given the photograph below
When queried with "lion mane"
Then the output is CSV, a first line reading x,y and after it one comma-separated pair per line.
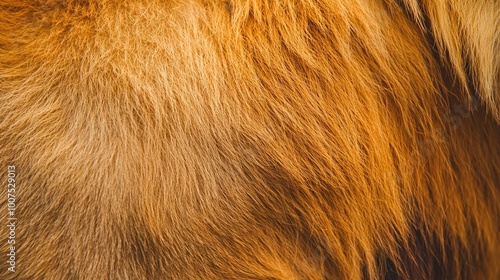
x,y
251,139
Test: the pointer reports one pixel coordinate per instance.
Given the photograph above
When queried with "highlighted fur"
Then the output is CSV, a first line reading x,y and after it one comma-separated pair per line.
x,y
252,139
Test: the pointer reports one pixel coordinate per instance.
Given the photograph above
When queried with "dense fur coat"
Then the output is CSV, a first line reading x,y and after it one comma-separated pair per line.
x,y
251,139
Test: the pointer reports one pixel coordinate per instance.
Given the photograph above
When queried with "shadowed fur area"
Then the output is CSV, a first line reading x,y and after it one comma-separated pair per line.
x,y
251,139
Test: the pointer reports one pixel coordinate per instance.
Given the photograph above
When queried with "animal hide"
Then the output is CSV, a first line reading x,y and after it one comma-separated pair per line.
x,y
250,139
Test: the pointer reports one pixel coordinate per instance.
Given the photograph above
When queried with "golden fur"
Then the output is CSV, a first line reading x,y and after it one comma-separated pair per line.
x,y
252,139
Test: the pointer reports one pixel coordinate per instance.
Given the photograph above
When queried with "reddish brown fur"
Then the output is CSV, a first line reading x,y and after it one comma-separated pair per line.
x,y
252,139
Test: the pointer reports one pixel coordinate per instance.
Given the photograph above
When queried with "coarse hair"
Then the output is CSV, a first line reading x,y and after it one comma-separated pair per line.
x,y
252,139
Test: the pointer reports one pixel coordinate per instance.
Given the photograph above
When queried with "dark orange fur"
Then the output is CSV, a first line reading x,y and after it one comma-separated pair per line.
x,y
305,139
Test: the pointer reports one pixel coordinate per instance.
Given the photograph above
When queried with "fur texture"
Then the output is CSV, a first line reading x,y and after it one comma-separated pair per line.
x,y
252,139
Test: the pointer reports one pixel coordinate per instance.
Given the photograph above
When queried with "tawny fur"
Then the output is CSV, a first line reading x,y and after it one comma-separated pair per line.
x,y
252,139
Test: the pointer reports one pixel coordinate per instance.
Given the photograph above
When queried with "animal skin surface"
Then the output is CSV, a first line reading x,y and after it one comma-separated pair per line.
x,y
250,139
